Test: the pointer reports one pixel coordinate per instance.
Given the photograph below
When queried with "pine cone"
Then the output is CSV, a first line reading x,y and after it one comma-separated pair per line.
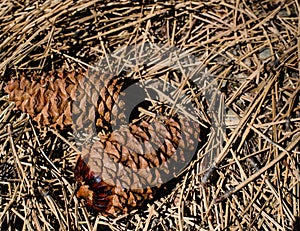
x,y
108,171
